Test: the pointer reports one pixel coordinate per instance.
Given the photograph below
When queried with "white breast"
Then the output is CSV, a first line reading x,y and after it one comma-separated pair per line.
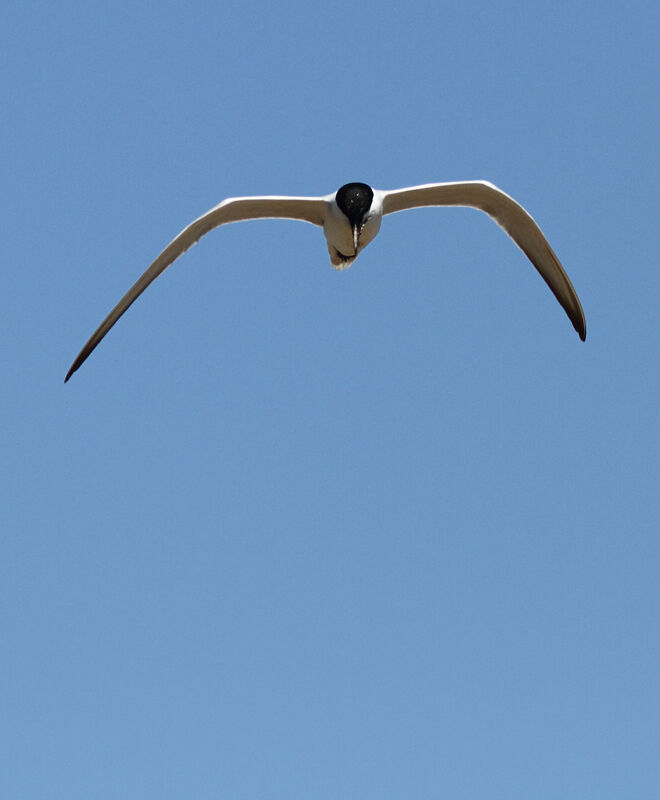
x,y
339,235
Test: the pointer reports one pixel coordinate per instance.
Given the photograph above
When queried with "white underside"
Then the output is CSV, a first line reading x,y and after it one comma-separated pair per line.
x,y
339,234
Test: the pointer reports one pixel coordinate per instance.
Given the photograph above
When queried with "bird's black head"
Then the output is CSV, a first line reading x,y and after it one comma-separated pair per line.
x,y
354,199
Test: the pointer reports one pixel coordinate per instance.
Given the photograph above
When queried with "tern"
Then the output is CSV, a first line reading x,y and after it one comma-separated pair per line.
x,y
350,219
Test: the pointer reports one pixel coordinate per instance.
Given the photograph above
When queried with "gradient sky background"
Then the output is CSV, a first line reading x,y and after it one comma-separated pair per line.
x,y
291,533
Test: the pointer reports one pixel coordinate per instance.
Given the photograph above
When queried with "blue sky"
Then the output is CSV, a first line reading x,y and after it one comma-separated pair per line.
x,y
291,533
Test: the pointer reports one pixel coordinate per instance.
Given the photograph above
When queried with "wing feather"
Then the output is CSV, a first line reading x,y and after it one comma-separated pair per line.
x,y
509,215
234,209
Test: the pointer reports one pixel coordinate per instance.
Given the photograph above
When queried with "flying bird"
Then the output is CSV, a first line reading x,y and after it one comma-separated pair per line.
x,y
350,219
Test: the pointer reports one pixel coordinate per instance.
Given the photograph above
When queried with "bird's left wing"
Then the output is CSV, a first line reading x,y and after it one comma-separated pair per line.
x,y
511,216
234,209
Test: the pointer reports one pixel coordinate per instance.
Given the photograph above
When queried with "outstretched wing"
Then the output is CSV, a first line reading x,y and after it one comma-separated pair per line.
x,y
509,215
234,209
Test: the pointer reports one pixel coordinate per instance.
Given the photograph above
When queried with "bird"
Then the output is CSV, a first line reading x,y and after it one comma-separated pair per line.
x,y
351,219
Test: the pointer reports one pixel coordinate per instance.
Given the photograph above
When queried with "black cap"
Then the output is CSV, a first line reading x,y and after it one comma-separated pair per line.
x,y
354,199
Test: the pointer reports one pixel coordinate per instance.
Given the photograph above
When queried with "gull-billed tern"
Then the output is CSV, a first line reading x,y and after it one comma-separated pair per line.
x,y
350,219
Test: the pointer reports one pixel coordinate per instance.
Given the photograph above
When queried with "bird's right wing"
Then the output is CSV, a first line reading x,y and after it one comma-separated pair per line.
x,y
509,215
234,209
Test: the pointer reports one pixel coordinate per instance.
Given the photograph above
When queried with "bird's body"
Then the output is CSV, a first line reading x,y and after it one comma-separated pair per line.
x,y
351,219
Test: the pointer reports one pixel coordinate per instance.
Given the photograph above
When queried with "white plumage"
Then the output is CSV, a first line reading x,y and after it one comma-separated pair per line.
x,y
351,219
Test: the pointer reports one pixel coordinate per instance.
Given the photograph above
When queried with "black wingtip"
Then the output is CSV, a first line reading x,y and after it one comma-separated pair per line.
x,y
69,374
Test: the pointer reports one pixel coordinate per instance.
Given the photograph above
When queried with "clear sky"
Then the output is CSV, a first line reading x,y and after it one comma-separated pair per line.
x,y
290,533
